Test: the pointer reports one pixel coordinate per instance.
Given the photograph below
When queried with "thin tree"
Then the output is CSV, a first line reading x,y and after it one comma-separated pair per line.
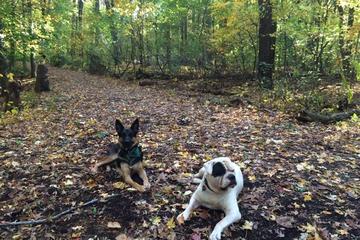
x,y
345,45
31,34
266,55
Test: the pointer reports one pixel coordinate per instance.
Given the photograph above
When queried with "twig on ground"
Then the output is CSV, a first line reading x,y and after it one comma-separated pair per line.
x,y
57,216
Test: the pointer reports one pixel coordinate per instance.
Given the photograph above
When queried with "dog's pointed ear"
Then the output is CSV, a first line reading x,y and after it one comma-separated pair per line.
x,y
118,126
135,126
218,169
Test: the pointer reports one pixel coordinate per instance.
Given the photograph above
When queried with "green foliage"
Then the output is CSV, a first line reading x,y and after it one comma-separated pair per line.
x,y
30,99
357,70
169,36
355,118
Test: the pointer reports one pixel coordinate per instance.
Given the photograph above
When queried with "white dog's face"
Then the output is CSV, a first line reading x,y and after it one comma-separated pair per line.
x,y
220,175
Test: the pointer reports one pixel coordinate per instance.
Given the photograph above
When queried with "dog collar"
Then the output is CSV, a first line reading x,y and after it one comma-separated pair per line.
x,y
207,185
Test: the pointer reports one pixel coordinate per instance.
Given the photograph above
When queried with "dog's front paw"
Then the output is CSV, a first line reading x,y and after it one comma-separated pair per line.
x,y
140,189
215,235
147,185
180,219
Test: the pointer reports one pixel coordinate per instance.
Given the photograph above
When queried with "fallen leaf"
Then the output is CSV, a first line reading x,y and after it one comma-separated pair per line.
x,y
308,228
307,197
121,237
113,225
68,182
187,193
171,223
119,185
156,220
195,236
77,228
247,225
342,232
252,178
285,221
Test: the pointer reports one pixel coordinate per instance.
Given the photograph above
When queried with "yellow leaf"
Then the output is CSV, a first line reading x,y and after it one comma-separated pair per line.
x,y
117,3
296,205
342,231
186,174
119,185
183,154
308,228
17,236
10,76
171,223
307,197
247,225
156,220
68,182
252,178
91,183
1,75
302,183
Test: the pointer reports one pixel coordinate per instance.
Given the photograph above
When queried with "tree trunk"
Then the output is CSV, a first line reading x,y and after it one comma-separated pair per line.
x,y
12,40
80,14
97,30
23,40
141,36
32,54
42,82
345,45
266,55
183,42
168,46
116,52
73,30
79,30
3,63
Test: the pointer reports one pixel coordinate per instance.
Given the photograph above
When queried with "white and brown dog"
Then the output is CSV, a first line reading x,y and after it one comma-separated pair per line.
x,y
221,181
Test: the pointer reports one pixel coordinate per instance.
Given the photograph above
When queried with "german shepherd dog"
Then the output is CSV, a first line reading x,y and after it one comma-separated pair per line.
x,y
126,156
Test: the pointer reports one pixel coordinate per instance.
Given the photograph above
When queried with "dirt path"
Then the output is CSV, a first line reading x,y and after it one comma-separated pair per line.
x,y
302,181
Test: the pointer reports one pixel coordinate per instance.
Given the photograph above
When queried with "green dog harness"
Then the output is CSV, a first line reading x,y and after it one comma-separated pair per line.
x,y
131,157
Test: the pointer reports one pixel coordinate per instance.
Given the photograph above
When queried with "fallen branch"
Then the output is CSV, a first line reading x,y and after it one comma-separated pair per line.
x,y
307,116
147,82
57,216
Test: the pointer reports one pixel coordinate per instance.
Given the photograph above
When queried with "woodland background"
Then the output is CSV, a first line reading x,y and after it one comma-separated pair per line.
x,y
296,42
207,78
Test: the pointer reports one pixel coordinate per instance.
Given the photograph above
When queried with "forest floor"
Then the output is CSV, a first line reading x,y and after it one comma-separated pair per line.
x,y
301,180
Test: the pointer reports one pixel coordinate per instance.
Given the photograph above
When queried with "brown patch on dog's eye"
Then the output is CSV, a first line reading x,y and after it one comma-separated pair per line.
x,y
135,140
120,141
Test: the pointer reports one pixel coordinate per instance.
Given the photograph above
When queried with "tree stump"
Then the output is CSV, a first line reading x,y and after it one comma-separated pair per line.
x,y
12,95
95,65
42,82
